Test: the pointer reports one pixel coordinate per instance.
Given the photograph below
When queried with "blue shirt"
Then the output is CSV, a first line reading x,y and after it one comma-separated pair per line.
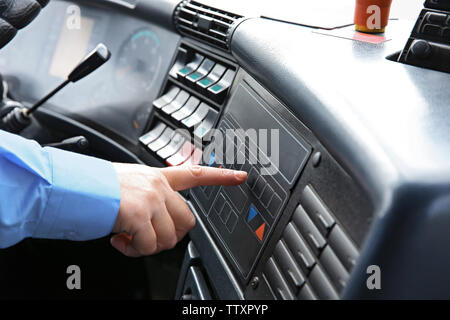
x,y
54,194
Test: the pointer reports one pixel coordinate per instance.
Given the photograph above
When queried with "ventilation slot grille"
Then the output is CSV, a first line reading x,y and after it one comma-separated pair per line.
x,y
205,23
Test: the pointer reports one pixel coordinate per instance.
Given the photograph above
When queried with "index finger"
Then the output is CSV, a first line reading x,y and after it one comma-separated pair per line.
x,y
184,177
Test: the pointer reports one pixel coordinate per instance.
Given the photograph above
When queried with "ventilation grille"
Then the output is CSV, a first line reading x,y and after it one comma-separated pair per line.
x,y
205,23
314,257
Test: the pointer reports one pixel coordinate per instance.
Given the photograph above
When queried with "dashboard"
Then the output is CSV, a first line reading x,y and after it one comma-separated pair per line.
x,y
345,137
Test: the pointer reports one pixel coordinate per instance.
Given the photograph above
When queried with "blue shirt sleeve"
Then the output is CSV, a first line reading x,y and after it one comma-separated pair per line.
x,y
54,194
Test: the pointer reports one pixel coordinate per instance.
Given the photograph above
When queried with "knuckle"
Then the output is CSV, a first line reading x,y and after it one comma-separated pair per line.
x,y
153,195
156,180
172,242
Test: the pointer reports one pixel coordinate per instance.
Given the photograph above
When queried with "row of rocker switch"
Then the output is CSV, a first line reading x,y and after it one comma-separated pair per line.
x,y
188,110
207,77
170,146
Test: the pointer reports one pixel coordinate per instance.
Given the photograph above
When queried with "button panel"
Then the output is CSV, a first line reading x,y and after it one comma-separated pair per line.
x,y
279,285
249,202
429,42
323,259
186,103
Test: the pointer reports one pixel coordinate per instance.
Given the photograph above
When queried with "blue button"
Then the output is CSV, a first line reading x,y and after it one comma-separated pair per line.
x,y
252,213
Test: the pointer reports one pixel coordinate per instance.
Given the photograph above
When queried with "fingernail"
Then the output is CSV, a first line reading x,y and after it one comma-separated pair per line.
x,y
240,175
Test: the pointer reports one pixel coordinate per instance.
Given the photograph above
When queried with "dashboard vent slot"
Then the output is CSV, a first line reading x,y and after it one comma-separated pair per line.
x,y
205,23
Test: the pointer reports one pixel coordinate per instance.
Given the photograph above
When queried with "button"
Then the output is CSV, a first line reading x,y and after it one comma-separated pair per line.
x,y
334,268
256,223
214,76
162,141
167,98
190,67
274,205
219,91
252,177
175,144
195,159
201,72
298,247
232,221
176,104
225,213
260,231
237,196
431,30
343,247
308,229
206,125
277,282
183,57
306,293
219,203
321,285
252,213
288,266
267,196
421,49
197,117
153,134
436,18
182,155
188,108
259,187
317,210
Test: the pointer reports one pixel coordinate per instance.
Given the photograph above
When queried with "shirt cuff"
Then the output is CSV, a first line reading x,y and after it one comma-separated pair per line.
x,y
84,201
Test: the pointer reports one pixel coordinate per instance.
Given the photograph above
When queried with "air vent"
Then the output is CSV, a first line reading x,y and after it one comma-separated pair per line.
x,y
205,23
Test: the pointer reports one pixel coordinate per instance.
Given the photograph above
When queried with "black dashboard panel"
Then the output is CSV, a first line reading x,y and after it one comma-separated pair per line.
x,y
117,97
248,213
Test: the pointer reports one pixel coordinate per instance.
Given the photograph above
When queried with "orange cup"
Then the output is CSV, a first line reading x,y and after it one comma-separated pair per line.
x,y
372,16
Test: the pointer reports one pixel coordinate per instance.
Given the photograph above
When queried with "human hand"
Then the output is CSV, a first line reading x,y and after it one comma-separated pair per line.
x,y
152,216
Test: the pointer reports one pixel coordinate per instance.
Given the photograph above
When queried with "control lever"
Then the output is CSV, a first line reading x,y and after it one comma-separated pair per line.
x,y
20,118
75,144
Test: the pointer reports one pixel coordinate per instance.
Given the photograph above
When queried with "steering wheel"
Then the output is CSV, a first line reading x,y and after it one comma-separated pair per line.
x,y
15,15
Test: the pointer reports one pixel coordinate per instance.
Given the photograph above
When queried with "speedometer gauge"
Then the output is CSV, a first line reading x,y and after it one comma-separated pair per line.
x,y
139,61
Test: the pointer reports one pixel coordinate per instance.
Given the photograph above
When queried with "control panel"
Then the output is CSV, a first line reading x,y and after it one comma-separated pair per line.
x,y
314,256
242,218
429,43
189,107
